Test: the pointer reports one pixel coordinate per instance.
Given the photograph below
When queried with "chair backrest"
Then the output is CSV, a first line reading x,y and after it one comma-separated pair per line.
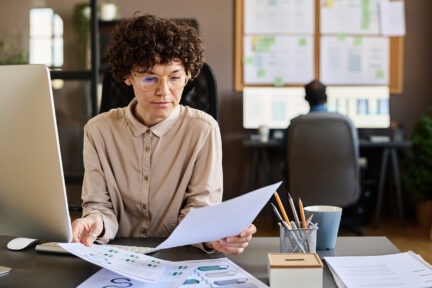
x,y
200,93
322,159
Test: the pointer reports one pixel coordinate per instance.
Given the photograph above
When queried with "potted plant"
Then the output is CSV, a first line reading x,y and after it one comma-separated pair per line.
x,y
418,179
11,55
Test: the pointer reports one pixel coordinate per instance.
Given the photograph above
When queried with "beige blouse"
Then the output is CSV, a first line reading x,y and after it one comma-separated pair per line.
x,y
144,180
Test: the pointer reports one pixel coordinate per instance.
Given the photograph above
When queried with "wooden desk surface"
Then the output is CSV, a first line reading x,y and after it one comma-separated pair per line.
x,y
30,269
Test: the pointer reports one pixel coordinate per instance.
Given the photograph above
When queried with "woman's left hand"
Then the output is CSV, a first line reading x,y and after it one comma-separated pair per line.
x,y
235,244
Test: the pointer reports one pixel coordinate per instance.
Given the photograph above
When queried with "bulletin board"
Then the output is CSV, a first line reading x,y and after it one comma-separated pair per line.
x,y
312,44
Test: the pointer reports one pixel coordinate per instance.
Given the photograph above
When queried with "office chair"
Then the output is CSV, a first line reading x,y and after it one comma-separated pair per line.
x,y
322,162
199,93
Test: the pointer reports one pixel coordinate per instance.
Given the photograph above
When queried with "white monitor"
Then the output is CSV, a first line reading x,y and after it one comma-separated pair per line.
x,y
33,199
367,106
273,107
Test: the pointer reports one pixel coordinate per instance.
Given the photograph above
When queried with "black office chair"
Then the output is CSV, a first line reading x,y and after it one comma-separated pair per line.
x,y
199,93
322,162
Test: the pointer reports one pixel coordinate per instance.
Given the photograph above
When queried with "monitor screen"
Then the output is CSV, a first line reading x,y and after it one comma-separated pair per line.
x,y
273,107
32,190
367,106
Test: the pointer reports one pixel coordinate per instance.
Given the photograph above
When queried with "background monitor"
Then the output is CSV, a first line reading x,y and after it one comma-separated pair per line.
x,y
273,107
367,106
33,199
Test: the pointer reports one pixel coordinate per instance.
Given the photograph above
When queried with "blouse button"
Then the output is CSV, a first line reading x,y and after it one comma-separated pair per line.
x,y
147,149
146,178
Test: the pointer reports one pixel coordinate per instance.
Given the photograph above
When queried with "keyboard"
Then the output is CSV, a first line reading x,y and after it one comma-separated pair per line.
x,y
55,248
136,249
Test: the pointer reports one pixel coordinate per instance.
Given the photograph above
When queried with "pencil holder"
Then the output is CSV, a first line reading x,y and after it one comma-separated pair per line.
x,y
298,240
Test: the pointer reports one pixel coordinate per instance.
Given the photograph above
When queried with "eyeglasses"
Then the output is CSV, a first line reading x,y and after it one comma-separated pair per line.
x,y
150,82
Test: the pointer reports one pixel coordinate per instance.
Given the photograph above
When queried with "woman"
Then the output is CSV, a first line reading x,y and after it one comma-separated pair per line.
x,y
147,164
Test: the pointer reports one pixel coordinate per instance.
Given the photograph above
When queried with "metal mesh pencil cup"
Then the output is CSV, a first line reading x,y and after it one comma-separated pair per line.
x,y
301,240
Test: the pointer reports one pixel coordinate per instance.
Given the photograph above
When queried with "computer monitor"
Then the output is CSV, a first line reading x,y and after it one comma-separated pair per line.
x,y
273,107
367,106
33,200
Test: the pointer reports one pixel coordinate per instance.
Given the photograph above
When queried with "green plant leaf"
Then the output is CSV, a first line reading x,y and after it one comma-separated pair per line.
x,y
418,179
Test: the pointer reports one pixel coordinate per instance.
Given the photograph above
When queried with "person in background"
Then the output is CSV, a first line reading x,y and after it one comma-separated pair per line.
x,y
147,164
316,96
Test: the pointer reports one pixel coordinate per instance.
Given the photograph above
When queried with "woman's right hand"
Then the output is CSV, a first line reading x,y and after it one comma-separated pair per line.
x,y
86,230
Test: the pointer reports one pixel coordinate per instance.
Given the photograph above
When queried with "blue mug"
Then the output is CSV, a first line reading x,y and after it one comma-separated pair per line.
x,y
328,219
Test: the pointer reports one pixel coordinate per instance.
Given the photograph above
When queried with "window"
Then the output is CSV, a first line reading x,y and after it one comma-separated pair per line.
x,y
46,37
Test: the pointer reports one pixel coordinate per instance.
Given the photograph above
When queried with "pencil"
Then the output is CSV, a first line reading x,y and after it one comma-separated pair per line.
x,y
309,220
302,215
291,202
280,217
281,208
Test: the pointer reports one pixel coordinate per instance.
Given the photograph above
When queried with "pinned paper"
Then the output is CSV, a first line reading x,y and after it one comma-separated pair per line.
x,y
392,18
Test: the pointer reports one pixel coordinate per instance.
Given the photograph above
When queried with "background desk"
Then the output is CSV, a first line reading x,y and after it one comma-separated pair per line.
x,y
31,269
389,148
261,160
261,167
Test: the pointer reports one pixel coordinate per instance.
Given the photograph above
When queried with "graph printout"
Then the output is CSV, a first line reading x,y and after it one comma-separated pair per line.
x,y
130,264
208,273
355,60
278,60
356,17
279,17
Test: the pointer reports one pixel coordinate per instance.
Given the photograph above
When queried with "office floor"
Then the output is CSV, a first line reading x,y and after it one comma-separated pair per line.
x,y
409,237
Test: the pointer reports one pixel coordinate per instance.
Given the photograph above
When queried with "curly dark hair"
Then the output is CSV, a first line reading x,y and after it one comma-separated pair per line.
x,y
147,40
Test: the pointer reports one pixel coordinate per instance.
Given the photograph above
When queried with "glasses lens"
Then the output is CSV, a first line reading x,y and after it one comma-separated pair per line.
x,y
177,81
149,82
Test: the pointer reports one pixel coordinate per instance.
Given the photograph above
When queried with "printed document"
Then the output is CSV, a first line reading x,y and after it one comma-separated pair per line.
x,y
402,270
127,263
392,18
205,274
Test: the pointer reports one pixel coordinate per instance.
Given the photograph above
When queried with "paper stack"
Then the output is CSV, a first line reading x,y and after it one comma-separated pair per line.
x,y
403,270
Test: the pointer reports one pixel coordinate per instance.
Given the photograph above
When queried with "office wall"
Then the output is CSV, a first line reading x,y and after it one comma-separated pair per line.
x,y
10,15
217,28
417,95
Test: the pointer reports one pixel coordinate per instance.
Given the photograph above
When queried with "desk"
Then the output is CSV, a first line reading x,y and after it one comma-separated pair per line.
x,y
30,269
260,158
389,149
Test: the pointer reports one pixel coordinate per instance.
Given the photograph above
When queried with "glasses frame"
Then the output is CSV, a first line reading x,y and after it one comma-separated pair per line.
x,y
154,86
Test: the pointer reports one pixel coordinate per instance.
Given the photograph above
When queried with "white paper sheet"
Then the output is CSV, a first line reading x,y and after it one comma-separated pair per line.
x,y
129,264
392,18
205,274
355,60
403,270
279,17
353,17
107,278
226,219
278,59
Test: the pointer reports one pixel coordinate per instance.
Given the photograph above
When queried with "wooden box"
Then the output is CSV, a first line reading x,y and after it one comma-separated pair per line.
x,y
295,270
